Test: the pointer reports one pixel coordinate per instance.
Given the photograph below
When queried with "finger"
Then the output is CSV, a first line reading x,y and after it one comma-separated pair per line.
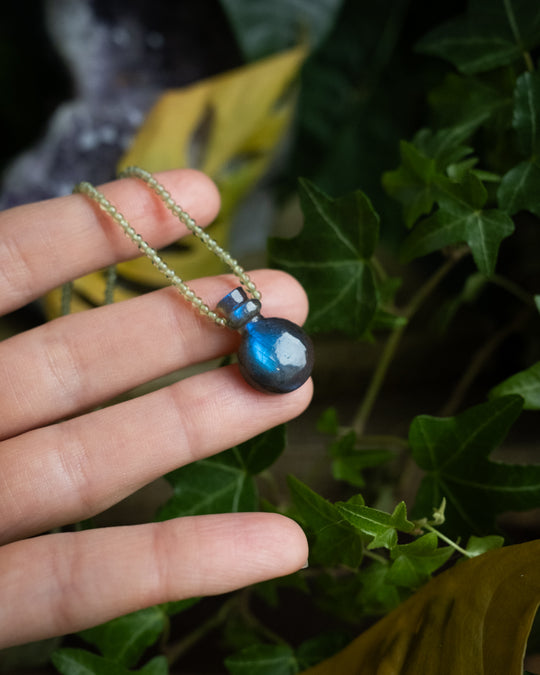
x,y
57,584
67,472
46,244
79,361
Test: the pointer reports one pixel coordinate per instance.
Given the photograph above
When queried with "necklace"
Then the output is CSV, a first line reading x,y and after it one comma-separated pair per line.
x,y
275,355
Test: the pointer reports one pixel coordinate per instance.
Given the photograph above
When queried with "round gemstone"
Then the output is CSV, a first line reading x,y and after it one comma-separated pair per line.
x,y
275,355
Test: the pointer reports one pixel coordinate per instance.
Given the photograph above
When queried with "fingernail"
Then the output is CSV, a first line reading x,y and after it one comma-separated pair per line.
x,y
305,565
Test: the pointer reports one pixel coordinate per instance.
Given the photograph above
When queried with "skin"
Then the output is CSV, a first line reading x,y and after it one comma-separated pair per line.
x,y
60,464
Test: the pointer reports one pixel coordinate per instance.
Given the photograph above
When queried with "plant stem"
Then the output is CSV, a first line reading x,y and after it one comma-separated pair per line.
x,y
479,359
376,556
528,61
256,623
379,375
448,541
513,288
390,348
177,649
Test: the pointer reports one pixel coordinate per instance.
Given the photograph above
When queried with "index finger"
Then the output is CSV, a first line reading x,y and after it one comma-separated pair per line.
x,y
46,244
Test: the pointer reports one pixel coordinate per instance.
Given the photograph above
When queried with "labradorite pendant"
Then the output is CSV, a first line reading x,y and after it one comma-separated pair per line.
x,y
275,355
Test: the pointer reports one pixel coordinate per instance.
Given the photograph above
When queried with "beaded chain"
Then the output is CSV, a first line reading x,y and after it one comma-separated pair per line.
x,y
135,172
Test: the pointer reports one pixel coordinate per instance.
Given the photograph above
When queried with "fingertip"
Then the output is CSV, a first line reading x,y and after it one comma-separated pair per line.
x,y
290,540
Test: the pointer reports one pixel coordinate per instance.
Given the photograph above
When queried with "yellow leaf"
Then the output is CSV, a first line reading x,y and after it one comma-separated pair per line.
x,y
228,126
473,619
233,115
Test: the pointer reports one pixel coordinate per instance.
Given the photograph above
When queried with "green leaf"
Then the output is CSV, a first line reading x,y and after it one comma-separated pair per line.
x,y
349,461
414,183
445,146
467,102
269,590
485,605
219,484
492,34
537,302
414,563
519,187
454,453
331,258
526,384
126,638
421,181
30,655
518,190
261,452
526,120
321,647
70,661
480,545
262,28
461,219
157,666
328,422
263,660
223,483
379,525
334,540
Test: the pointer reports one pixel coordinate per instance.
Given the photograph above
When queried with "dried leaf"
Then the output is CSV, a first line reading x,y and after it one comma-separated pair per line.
x,y
474,618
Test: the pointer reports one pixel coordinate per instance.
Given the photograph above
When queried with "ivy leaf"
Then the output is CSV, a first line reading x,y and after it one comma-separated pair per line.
x,y
349,461
262,29
69,661
334,540
467,101
262,451
479,545
461,219
490,35
321,647
223,483
219,484
485,605
454,453
126,638
414,183
328,422
382,527
331,258
420,180
526,384
519,187
527,112
30,655
263,660
414,563
518,190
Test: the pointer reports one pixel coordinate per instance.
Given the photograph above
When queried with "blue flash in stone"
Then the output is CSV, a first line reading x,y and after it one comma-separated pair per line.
x,y
275,355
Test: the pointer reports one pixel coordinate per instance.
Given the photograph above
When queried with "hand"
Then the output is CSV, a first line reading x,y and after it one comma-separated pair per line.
x,y
55,472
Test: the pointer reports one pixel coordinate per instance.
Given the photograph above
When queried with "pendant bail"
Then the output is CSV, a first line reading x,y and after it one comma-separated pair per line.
x,y
238,308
